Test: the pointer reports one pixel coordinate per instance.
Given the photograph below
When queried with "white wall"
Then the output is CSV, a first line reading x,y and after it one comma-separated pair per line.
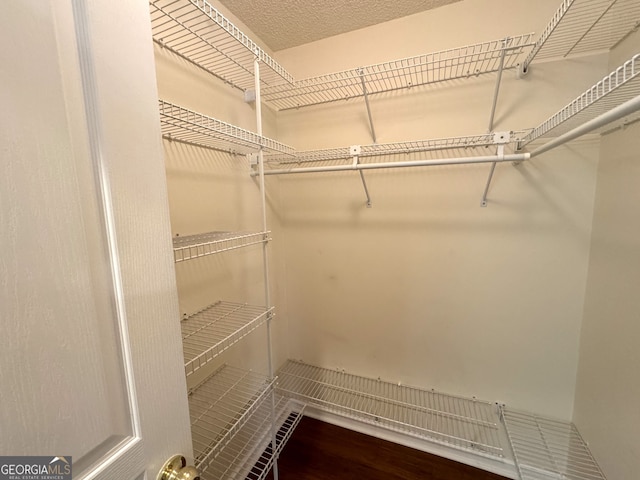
x,y
608,387
427,287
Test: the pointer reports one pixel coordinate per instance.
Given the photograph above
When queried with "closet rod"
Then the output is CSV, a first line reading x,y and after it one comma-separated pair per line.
x,y
627,108
514,157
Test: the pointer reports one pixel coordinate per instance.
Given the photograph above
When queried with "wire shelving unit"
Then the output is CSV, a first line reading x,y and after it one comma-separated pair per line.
x,y
468,61
545,448
466,424
619,86
197,32
212,330
250,454
585,26
181,124
203,244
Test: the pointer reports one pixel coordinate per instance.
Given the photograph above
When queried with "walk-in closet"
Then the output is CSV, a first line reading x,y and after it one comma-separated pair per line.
x,y
419,224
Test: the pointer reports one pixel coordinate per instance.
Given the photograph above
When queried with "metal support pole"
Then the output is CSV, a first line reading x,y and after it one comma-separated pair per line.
x,y
483,203
355,149
366,101
366,190
498,81
616,113
265,260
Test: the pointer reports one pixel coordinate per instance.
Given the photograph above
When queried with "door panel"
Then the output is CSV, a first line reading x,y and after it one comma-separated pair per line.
x,y
91,362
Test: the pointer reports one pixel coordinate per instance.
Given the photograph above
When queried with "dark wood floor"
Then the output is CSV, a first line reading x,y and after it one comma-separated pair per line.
x,y
320,451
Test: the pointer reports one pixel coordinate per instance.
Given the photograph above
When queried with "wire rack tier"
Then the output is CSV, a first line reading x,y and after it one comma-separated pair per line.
x,y
250,454
220,406
405,73
619,86
197,32
203,244
585,26
212,330
380,149
181,124
462,423
546,449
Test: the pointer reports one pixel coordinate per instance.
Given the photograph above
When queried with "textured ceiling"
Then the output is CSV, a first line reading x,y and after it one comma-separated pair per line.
x,y
288,23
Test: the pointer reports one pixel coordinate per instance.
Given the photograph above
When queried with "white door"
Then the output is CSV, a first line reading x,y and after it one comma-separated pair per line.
x,y
91,356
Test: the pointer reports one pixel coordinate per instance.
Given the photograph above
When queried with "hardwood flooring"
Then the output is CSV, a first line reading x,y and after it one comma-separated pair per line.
x,y
321,451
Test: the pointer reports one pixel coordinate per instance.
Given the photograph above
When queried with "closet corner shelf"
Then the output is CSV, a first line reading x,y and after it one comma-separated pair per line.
x,y
181,124
468,61
586,26
466,424
209,332
210,243
545,448
620,86
197,32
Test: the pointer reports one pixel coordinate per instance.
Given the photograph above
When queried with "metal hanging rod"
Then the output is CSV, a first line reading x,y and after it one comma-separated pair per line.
x,y
582,26
514,157
196,31
405,73
612,91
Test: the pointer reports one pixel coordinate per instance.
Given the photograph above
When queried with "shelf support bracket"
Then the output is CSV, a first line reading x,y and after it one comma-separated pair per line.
x,y
355,151
501,138
366,101
496,91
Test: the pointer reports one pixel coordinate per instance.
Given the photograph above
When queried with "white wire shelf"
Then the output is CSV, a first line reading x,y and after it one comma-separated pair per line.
x,y
613,90
462,423
405,73
210,243
181,124
545,448
584,26
249,455
220,406
212,330
396,149
196,31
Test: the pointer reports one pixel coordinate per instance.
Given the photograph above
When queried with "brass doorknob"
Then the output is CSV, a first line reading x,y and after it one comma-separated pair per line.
x,y
175,469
